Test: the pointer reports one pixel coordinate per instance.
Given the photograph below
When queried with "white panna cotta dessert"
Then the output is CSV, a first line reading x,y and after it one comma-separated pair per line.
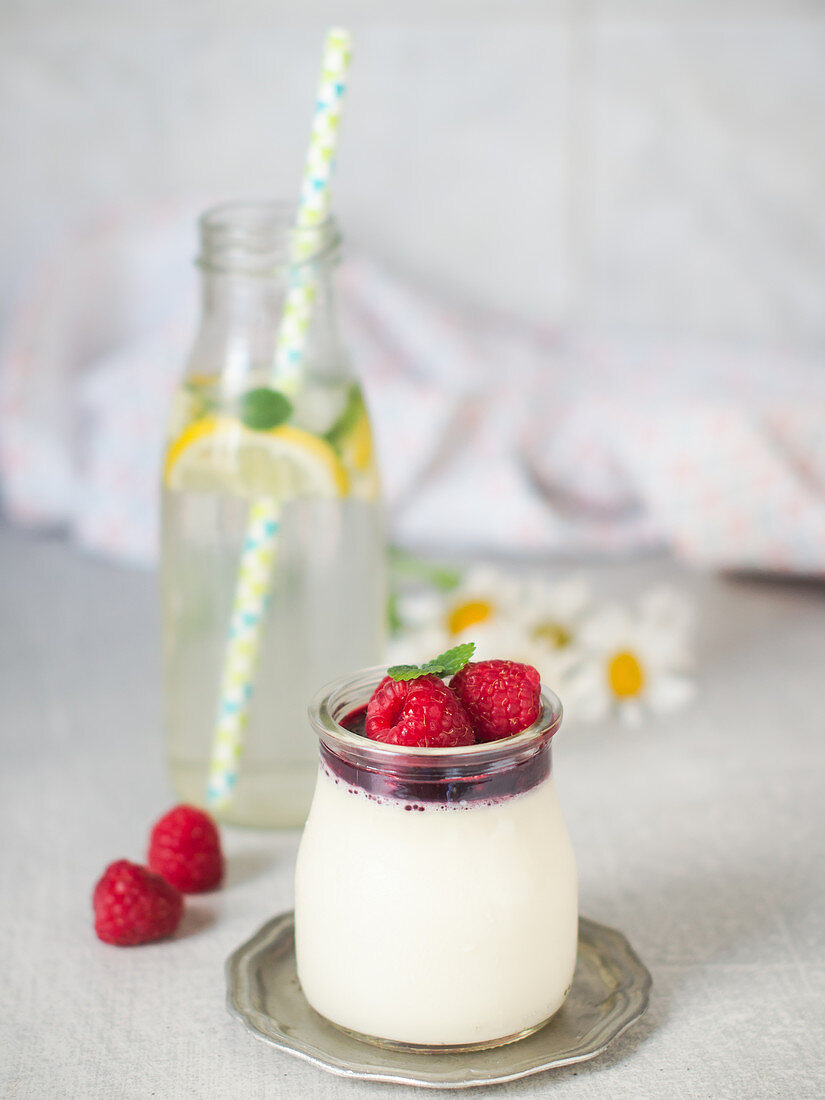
x,y
436,888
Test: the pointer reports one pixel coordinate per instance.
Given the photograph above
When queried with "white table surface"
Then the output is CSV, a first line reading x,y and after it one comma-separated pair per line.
x,y
702,837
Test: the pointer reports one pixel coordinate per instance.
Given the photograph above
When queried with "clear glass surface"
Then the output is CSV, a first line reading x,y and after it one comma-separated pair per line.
x,y
326,603
436,898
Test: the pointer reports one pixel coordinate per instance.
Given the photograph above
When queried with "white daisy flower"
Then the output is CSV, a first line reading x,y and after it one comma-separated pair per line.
x,y
549,619
486,598
602,661
552,615
635,662
485,608
556,666
507,618
501,640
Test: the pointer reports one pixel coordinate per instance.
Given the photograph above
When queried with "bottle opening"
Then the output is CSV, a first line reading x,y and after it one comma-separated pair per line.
x,y
260,237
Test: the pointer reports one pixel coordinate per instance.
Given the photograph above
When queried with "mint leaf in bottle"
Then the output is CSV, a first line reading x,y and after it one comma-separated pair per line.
x,y
263,409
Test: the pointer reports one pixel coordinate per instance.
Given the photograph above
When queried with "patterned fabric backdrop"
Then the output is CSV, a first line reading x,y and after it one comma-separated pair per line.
x,y
493,437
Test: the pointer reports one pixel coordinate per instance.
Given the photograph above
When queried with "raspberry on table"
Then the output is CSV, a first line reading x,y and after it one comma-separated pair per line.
x,y
133,905
185,847
423,712
502,698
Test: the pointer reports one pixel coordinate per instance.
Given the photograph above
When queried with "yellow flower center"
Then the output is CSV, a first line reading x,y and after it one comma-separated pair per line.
x,y
625,675
552,634
468,614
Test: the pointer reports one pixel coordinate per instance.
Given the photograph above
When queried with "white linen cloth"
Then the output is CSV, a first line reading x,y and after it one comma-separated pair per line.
x,y
698,835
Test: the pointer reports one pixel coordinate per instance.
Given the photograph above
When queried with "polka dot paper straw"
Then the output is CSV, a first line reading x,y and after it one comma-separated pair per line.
x,y
313,208
260,546
243,645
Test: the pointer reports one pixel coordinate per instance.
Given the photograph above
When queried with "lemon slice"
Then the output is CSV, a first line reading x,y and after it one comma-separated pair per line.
x,y
356,451
356,446
219,454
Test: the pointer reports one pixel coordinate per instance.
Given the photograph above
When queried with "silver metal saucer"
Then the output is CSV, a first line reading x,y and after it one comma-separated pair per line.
x,y
610,991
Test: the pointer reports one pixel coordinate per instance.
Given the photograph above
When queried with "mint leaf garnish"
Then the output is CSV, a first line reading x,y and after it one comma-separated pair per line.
x,y
451,662
445,664
264,408
405,672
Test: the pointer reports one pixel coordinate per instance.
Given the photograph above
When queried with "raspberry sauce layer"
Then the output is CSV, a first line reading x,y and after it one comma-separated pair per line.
x,y
439,783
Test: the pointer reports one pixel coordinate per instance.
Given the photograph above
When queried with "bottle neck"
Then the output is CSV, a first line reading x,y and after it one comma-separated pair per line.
x,y
248,263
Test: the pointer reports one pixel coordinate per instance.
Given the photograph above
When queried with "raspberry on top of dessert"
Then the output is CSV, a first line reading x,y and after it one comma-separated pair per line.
x,y
485,701
421,712
502,697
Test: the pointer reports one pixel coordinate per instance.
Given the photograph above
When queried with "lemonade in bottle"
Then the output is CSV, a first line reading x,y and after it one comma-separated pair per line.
x,y
237,437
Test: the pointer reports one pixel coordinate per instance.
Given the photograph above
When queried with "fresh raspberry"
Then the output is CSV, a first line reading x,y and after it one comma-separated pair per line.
x,y
502,698
185,848
422,712
133,905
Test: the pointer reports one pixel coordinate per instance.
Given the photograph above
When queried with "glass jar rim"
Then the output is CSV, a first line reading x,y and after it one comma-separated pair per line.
x,y
262,237
340,697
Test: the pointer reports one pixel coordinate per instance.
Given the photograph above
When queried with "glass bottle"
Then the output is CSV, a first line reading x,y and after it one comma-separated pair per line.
x,y
237,435
436,899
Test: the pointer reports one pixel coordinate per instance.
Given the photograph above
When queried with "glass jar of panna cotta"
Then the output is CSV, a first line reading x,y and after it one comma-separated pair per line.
x,y
436,900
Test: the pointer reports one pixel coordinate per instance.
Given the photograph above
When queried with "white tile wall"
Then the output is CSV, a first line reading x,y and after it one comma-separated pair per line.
x,y
629,164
